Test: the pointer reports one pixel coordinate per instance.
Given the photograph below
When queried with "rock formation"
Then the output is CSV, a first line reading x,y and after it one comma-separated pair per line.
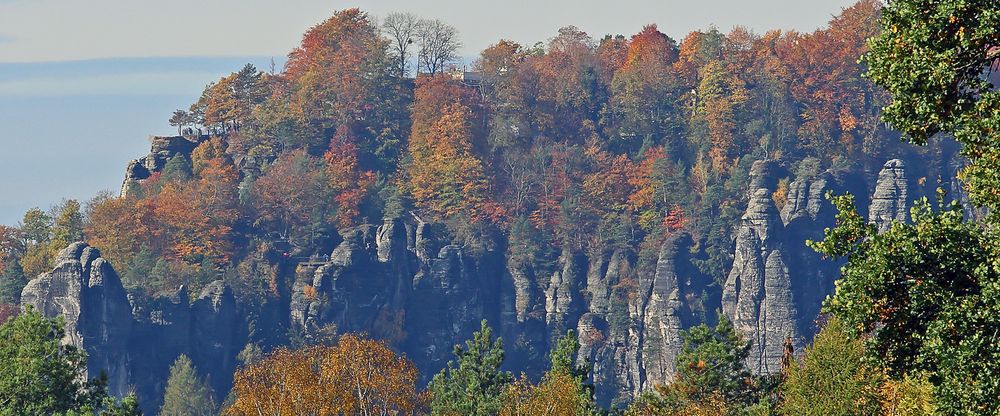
x,y
405,282
757,295
163,149
891,197
86,292
135,343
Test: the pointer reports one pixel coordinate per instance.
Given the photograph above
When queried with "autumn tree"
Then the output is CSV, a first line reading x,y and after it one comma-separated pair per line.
x,y
838,107
227,104
347,182
496,65
606,193
695,51
285,382
188,220
293,197
911,395
341,74
612,52
447,179
563,390
355,376
832,377
773,114
195,218
719,94
122,228
563,86
645,93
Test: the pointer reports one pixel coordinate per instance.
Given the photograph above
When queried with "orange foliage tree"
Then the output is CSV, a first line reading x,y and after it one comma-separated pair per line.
x,y
644,90
357,376
121,227
190,221
348,182
339,76
293,196
446,177
838,105
558,395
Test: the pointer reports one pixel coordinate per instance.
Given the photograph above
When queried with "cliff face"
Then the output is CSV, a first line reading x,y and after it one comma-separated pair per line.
x,y
384,282
86,292
404,282
134,343
891,196
162,149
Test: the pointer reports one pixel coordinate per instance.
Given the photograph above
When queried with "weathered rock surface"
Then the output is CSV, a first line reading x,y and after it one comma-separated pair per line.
x,y
663,309
135,344
86,292
757,295
162,149
891,197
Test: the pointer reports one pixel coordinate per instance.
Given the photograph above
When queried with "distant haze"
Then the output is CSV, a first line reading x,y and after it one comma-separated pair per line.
x,y
56,30
83,83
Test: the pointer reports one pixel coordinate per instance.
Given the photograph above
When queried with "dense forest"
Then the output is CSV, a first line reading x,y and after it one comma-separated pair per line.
x,y
323,235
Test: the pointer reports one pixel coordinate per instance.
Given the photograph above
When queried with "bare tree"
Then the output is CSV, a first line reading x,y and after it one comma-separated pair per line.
x,y
402,30
439,45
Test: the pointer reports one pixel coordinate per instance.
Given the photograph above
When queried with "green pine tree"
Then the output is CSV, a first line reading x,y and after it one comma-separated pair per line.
x,y
472,383
177,169
41,376
713,361
186,393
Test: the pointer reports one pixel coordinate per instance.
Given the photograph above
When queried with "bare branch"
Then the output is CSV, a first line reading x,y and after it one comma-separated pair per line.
x,y
439,45
402,30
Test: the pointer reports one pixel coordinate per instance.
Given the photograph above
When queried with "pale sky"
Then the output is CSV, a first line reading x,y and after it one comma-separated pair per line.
x,y
56,30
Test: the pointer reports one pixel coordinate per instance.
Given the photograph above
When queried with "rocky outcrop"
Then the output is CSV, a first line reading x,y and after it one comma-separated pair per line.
x,y
757,295
86,292
806,214
663,309
134,342
400,283
891,197
162,149
383,281
563,296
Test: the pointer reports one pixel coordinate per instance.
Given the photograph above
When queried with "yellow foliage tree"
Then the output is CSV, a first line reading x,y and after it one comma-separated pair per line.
x,y
357,376
559,394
